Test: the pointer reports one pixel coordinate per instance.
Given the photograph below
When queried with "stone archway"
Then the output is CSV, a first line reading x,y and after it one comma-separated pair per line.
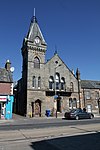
x,y
37,107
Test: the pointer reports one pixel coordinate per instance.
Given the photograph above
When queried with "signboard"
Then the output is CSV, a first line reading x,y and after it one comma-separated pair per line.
x,y
3,98
56,96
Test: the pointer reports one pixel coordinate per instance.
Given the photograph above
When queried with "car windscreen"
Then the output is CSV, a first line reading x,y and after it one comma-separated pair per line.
x,y
73,110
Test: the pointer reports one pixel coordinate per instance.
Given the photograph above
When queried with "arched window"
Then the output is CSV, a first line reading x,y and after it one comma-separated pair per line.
x,y
39,82
57,80
34,82
74,103
70,103
36,62
71,87
51,82
62,83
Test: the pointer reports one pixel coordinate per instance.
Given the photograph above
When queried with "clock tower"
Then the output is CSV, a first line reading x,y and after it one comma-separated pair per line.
x,y
33,54
34,44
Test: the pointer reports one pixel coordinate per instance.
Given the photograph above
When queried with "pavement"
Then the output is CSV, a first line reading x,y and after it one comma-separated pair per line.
x,y
17,117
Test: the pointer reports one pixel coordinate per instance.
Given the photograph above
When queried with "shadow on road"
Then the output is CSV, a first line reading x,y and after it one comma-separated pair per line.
x,y
79,142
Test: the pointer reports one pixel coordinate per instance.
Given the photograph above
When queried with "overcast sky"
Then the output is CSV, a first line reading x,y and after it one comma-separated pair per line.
x,y
72,27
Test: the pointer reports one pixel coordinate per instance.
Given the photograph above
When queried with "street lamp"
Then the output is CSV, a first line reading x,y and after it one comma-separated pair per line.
x,y
78,79
55,94
79,93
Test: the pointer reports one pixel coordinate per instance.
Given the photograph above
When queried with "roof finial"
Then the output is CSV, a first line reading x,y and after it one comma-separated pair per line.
x,y
55,50
34,17
34,12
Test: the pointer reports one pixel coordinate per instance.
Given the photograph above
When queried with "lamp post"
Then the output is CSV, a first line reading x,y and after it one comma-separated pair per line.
x,y
55,91
79,93
78,79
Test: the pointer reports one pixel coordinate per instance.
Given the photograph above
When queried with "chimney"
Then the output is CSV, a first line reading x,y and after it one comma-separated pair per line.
x,y
8,65
78,74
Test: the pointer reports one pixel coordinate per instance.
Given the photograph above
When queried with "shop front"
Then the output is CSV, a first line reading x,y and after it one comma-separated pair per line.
x,y
6,106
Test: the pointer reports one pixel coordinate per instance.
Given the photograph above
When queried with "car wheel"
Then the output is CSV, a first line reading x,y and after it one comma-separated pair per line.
x,y
91,116
77,117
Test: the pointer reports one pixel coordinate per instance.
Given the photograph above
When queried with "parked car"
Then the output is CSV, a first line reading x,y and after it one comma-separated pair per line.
x,y
78,114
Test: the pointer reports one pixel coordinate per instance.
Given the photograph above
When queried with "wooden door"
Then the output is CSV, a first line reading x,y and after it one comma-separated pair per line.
x,y
38,107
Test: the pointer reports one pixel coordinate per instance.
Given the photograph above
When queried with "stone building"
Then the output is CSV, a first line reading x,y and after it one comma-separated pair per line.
x,y
6,91
90,91
45,85
6,79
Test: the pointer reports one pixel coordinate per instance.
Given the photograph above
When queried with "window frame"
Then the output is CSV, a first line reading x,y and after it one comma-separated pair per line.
x,y
34,82
39,82
36,63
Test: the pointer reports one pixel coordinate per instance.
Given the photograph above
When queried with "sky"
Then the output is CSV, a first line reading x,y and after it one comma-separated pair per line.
x,y
72,27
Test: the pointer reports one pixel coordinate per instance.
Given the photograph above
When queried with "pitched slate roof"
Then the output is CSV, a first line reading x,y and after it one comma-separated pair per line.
x,y
88,84
5,76
34,31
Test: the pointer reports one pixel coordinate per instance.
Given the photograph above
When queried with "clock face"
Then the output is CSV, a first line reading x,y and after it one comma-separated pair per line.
x,y
37,40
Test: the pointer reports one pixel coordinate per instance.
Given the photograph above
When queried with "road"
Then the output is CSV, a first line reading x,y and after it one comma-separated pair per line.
x,y
43,123
56,134
84,137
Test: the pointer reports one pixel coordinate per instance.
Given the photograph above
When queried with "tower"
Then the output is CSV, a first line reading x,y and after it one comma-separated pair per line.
x,y
33,54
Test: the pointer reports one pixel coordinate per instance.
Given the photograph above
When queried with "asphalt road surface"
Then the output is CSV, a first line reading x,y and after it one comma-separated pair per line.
x,y
44,123
74,137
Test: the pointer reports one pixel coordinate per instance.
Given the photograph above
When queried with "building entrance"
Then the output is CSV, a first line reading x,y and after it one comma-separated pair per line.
x,y
36,108
59,104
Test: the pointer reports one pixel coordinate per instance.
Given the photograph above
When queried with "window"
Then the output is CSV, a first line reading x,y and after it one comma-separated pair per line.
x,y
39,82
34,82
36,62
88,95
89,108
51,82
62,83
74,103
70,102
57,81
96,95
71,87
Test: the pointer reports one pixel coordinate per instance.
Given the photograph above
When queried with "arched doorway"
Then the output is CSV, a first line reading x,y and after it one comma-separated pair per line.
x,y
37,107
59,104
